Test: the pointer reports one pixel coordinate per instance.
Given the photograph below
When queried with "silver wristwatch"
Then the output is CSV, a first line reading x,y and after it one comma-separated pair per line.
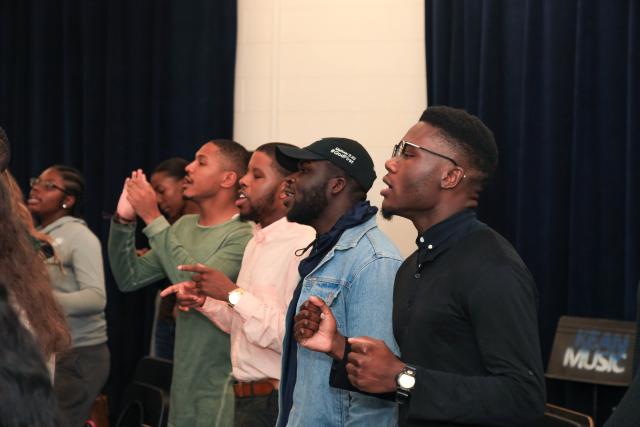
x,y
405,382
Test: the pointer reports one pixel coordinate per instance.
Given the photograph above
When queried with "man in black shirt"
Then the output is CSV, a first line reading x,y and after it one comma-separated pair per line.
x,y
464,305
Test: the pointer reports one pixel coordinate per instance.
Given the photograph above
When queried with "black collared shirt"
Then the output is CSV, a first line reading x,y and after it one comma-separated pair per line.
x,y
465,315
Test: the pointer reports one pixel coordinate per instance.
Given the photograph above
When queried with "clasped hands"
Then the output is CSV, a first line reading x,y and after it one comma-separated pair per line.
x,y
138,198
372,367
205,282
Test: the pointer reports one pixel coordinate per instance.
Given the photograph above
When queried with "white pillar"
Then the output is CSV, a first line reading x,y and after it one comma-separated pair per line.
x,y
308,69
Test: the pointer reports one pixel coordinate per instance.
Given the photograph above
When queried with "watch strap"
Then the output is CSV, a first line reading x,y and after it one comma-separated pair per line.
x,y
404,394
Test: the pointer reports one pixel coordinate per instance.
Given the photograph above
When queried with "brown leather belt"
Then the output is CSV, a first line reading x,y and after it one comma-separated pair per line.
x,y
256,388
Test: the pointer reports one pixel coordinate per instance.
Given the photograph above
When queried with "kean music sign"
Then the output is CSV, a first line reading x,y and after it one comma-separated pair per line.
x,y
596,351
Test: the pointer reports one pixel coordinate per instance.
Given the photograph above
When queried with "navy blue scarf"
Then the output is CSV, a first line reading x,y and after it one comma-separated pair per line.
x,y
357,215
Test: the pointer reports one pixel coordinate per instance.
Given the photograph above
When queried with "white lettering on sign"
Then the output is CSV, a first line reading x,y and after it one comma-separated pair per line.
x,y
593,361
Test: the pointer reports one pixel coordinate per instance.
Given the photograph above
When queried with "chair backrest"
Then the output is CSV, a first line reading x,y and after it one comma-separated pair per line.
x,y
143,404
551,420
156,372
132,415
578,419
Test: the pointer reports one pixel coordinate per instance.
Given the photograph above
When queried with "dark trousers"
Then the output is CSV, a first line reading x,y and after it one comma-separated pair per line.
x,y
165,338
80,375
256,411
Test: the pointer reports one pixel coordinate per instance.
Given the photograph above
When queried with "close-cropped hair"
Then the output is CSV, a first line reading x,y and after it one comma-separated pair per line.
x,y
74,185
467,133
173,167
234,154
270,150
25,384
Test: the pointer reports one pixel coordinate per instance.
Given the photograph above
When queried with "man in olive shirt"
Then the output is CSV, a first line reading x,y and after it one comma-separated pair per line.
x,y
201,393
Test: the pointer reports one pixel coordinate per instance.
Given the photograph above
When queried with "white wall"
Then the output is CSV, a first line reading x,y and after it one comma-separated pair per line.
x,y
307,69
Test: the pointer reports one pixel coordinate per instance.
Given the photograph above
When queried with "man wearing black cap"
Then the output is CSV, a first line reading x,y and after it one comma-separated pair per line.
x,y
351,268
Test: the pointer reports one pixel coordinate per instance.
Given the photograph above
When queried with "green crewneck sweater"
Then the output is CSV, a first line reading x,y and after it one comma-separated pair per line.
x,y
201,393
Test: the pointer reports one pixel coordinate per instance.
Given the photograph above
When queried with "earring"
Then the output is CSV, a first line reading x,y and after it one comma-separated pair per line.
x,y
64,206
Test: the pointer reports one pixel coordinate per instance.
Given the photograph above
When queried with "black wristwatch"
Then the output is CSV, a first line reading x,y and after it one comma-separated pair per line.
x,y
405,382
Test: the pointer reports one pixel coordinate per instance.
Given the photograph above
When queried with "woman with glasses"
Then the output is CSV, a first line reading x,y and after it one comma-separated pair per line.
x,y
77,277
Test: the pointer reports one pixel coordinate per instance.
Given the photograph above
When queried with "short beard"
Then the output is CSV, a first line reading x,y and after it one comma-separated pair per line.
x,y
387,214
313,204
251,216
257,212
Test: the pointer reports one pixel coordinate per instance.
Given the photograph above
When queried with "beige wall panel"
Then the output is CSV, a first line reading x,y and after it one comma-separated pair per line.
x,y
312,68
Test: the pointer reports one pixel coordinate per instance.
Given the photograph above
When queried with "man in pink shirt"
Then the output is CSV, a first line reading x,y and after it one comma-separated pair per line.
x,y
253,309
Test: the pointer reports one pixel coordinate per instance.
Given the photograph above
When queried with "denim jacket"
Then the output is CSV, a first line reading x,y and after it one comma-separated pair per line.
x,y
356,280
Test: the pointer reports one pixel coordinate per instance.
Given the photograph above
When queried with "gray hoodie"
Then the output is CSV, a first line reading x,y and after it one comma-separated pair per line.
x,y
78,279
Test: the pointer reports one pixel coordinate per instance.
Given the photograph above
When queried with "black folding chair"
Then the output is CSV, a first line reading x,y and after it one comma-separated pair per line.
x,y
143,404
156,372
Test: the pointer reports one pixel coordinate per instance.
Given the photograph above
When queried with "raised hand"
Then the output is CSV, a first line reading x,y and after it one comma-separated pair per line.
x,y
124,209
209,281
371,366
187,295
142,197
315,328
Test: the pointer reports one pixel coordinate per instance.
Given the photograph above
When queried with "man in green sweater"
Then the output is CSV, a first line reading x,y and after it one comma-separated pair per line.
x,y
201,392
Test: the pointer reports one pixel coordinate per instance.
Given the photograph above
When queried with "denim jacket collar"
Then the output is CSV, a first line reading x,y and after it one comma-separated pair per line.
x,y
352,236
349,239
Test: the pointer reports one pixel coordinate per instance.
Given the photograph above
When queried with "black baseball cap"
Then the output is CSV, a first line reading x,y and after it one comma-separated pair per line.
x,y
347,154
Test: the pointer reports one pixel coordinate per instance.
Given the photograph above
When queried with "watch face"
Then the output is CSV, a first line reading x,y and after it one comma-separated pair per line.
x,y
234,297
406,381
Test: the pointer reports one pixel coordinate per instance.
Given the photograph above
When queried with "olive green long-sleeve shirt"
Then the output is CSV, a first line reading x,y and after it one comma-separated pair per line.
x,y
201,392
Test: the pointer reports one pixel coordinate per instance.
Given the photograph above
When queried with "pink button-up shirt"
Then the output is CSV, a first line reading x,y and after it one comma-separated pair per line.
x,y
268,275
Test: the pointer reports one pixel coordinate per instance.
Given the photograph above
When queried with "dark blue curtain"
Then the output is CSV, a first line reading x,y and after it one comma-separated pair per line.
x,y
558,83
108,86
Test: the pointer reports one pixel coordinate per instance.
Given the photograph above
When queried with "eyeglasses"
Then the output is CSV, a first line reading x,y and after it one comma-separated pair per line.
x,y
47,185
401,147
